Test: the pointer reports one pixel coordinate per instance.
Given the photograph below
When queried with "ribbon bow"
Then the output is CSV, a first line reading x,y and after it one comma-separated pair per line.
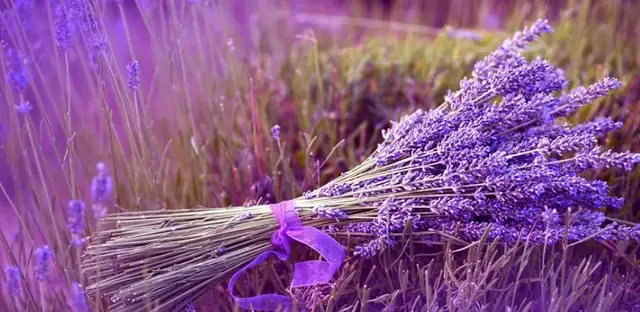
x,y
306,273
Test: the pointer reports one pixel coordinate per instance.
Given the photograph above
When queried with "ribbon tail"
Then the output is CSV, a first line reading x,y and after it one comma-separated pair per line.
x,y
310,273
262,302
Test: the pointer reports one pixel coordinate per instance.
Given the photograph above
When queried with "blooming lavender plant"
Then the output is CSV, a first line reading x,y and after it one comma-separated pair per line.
x,y
43,258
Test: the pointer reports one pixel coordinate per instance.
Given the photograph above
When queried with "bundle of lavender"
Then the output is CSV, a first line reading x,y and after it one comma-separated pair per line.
x,y
496,154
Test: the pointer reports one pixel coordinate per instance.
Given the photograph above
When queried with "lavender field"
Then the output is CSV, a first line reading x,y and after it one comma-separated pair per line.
x,y
210,155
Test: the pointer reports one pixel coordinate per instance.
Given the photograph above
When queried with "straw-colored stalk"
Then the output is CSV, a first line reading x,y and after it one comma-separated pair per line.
x,y
165,259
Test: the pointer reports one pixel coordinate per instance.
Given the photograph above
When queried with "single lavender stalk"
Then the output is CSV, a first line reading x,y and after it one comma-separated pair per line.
x,y
101,191
17,71
75,223
329,213
14,280
133,72
64,26
43,258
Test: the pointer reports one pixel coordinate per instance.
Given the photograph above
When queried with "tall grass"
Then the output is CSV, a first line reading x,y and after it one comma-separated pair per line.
x,y
215,77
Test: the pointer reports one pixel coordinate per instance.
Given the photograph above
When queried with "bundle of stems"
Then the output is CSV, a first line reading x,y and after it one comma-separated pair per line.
x,y
455,170
165,259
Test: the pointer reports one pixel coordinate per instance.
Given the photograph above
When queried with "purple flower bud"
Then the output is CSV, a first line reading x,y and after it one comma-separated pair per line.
x,y
275,132
24,108
581,96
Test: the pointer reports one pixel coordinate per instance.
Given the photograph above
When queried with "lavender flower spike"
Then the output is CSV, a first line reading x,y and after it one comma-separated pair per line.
x,y
75,223
329,213
133,72
43,257
64,26
17,72
275,132
14,278
507,55
101,190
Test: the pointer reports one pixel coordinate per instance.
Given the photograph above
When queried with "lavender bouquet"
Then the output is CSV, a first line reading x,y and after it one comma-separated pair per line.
x,y
497,156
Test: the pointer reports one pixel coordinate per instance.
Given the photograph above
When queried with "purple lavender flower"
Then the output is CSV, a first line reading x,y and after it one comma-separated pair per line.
x,y
507,55
17,71
43,257
329,213
78,298
275,132
582,96
133,72
75,223
14,280
370,249
64,26
101,190
393,214
24,108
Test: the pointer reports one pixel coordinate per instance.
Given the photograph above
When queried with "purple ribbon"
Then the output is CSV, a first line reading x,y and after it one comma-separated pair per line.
x,y
305,273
